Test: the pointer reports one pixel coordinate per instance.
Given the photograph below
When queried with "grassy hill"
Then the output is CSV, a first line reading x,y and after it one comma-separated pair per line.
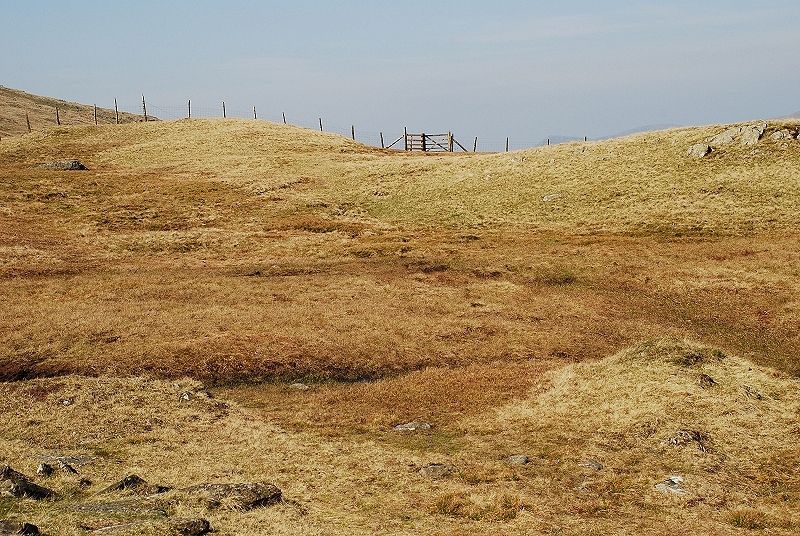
x,y
536,302
14,104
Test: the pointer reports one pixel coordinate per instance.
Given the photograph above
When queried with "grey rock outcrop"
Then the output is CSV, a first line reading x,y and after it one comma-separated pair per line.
x,y
752,133
412,426
437,471
781,135
7,528
245,496
671,485
18,485
726,137
518,459
136,484
189,526
699,150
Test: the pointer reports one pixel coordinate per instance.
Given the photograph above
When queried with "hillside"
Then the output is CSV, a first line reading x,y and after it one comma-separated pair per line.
x,y
14,104
618,312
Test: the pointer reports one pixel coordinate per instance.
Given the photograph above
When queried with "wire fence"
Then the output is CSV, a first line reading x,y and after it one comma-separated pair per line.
x,y
468,142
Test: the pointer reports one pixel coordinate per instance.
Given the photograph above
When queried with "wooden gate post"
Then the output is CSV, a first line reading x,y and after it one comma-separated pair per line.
x,y
405,138
450,141
116,112
144,109
424,148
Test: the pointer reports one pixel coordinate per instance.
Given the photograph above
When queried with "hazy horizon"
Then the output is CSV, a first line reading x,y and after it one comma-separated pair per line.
x,y
526,70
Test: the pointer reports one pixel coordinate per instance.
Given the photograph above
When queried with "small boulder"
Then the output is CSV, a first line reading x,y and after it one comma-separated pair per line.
x,y
699,150
18,485
592,464
244,496
518,459
64,165
781,135
136,484
726,137
706,381
67,468
412,426
299,386
44,469
436,471
752,133
671,485
17,528
189,526
549,198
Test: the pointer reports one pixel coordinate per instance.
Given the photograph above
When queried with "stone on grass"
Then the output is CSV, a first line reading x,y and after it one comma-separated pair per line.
x,y
752,133
299,386
592,464
671,485
190,526
436,471
413,426
699,150
518,459
706,381
18,485
781,135
726,137
64,165
44,469
550,198
244,496
7,528
136,484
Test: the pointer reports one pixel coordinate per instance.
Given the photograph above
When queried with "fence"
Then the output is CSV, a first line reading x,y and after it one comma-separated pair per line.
x,y
406,141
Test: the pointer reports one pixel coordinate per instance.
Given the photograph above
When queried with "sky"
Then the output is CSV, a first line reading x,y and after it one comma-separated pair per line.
x,y
519,69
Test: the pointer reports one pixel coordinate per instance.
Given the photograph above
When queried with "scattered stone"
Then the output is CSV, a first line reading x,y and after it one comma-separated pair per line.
x,y
592,464
67,401
299,386
236,496
146,507
753,393
67,468
550,197
64,165
752,133
44,469
18,485
518,459
782,135
706,381
136,484
412,426
75,461
185,396
699,150
436,471
7,528
84,483
672,485
683,438
190,527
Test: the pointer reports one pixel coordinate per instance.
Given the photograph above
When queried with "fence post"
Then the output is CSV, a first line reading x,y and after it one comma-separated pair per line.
x,y
95,115
353,132
405,138
224,115
450,141
320,124
586,138
190,109
144,109
475,145
548,142
254,113
382,145
58,118
424,146
506,144
284,117
27,120
116,112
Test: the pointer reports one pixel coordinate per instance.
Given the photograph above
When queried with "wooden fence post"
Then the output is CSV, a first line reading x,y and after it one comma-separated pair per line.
x,y
58,119
475,145
284,117
190,109
586,138
224,115
450,141
382,145
353,132
506,144
27,120
254,113
116,112
95,115
405,137
548,142
320,124
424,146
144,109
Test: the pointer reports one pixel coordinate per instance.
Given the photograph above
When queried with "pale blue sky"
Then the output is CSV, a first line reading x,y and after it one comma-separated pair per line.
x,y
490,69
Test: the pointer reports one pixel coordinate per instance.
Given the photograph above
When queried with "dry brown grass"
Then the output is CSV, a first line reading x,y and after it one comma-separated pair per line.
x,y
247,256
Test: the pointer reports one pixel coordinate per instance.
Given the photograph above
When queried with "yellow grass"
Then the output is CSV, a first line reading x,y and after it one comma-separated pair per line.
x,y
457,289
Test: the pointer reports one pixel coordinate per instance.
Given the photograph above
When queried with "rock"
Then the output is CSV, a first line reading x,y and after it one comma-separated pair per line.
x,y
84,483
44,469
18,528
726,137
299,386
550,197
706,381
781,135
67,468
752,133
236,496
518,459
67,401
412,426
185,396
436,471
136,484
18,485
64,165
189,526
699,150
74,461
592,464
672,485
684,438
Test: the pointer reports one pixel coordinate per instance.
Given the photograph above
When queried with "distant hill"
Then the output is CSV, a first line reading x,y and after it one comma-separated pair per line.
x,y
14,104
